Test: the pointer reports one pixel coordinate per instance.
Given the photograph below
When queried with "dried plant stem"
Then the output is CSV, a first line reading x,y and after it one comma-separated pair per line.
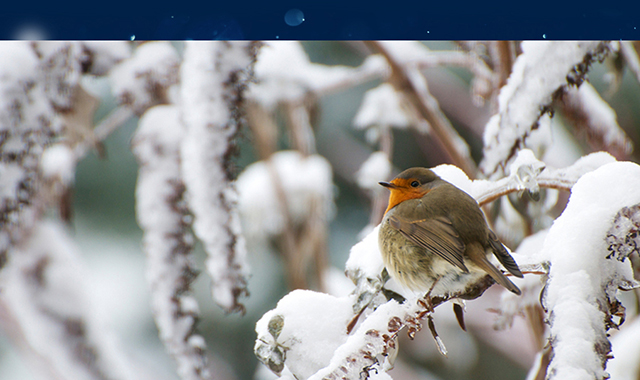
x,y
263,128
428,108
115,119
288,239
300,128
378,198
503,56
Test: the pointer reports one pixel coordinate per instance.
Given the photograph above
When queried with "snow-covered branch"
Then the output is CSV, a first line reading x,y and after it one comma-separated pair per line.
x,y
369,338
43,287
592,116
581,292
168,243
28,124
147,78
214,76
539,73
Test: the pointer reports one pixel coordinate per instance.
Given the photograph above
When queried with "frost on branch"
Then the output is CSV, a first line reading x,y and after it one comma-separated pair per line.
x,y
43,286
27,125
543,69
581,292
213,81
168,243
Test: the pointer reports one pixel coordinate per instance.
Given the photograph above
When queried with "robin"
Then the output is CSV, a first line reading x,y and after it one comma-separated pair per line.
x,y
434,237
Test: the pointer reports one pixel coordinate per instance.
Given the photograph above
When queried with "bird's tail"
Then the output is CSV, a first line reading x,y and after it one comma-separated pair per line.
x,y
503,256
479,257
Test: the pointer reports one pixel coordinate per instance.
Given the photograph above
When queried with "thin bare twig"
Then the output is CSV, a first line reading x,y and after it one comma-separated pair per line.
x,y
107,125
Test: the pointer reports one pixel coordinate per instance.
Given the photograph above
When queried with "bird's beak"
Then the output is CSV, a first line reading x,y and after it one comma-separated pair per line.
x,y
388,185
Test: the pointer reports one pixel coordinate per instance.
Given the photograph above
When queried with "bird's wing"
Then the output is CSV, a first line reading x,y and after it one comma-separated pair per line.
x,y
435,234
503,256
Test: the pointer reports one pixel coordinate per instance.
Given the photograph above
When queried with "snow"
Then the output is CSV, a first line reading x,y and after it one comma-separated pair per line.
x,y
285,73
27,124
576,249
44,285
537,73
303,180
365,259
313,326
160,211
106,54
366,346
375,169
11,175
58,161
383,106
213,76
144,79
568,176
600,119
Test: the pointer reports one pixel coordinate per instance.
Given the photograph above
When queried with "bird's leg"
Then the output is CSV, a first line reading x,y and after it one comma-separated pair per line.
x,y
426,300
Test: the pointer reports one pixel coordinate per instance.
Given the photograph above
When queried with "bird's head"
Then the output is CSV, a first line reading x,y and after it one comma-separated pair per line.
x,y
410,184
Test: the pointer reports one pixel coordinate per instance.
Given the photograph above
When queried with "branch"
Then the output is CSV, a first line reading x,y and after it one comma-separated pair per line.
x,y
214,77
592,116
540,72
583,281
414,86
162,214
44,288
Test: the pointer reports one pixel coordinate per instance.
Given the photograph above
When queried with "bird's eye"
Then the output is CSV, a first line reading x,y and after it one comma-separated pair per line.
x,y
415,184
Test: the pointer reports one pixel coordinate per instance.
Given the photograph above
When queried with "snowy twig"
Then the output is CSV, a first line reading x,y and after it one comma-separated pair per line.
x,y
527,173
539,73
43,285
28,125
168,243
146,78
214,76
284,73
590,114
467,60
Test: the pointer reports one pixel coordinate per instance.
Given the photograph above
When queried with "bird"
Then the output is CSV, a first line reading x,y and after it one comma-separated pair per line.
x,y
434,237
